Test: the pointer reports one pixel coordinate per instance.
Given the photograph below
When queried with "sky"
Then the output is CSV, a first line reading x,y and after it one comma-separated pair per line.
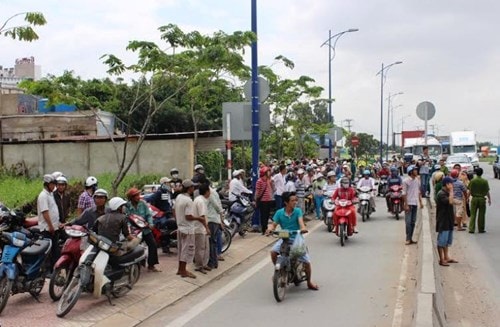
x,y
448,50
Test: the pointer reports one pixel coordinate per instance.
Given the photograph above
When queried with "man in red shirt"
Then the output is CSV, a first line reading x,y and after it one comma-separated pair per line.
x,y
345,192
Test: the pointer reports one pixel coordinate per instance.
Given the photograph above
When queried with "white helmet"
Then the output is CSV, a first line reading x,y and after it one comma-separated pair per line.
x,y
61,180
331,173
91,180
116,202
57,174
198,166
100,192
238,172
48,178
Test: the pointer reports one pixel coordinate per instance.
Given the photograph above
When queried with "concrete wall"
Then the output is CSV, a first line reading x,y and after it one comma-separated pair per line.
x,y
80,159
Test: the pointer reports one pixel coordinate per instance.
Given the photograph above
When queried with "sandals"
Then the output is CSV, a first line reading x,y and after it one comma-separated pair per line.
x,y
153,269
443,263
452,261
188,274
313,287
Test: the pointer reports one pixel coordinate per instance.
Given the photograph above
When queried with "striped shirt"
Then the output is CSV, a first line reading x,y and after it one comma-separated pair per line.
x,y
263,190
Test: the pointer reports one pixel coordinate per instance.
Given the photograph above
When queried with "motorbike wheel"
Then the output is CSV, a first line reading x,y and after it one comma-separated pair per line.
x,y
233,227
342,234
226,239
69,297
5,289
396,211
135,273
300,274
58,282
280,280
363,213
36,287
329,225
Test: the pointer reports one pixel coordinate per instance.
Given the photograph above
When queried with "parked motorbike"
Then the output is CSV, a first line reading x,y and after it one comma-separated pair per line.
x,y
101,270
343,211
24,265
164,229
364,195
287,269
328,209
239,218
382,186
395,200
68,261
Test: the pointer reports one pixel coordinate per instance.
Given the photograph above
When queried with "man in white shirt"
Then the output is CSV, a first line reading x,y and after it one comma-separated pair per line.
x,y
201,231
236,186
48,215
369,182
279,186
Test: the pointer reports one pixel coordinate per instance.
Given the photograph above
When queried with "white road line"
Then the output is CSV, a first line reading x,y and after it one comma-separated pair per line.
x,y
397,320
205,304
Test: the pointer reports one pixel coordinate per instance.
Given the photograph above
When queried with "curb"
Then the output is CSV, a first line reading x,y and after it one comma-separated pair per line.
x,y
430,301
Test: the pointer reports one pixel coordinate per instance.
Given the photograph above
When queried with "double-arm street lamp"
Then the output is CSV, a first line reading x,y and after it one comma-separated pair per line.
x,y
390,108
331,48
382,73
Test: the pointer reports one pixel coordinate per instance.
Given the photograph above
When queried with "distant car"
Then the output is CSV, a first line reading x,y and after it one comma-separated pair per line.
x,y
463,160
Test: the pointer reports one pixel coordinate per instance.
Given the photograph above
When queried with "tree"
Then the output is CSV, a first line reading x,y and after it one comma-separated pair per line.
x,y
23,32
368,145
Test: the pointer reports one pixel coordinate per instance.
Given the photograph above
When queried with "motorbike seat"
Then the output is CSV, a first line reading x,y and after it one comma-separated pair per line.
x,y
41,246
226,203
137,252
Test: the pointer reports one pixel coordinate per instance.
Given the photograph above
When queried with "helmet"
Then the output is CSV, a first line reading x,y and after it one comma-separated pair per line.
x,y
198,167
288,162
263,171
300,171
410,169
174,171
331,173
48,178
90,181
100,192
132,192
164,180
344,181
394,170
61,180
57,174
238,172
454,173
366,172
116,202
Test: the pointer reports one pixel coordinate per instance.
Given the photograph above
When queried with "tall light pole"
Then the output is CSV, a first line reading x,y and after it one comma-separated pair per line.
x,y
392,126
389,109
330,58
381,72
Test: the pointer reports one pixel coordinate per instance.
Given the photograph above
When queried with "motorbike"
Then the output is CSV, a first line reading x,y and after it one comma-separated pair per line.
x,y
24,265
65,266
364,196
309,201
239,218
287,269
101,270
395,200
382,186
328,209
343,211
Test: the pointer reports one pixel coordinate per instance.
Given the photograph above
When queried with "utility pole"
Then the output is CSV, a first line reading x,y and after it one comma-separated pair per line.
x,y
349,124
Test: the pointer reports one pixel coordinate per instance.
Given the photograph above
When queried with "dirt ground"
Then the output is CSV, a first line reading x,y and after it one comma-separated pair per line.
x,y
468,299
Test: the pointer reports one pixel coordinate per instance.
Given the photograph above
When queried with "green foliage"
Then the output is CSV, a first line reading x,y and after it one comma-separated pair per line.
x,y
368,146
214,163
23,32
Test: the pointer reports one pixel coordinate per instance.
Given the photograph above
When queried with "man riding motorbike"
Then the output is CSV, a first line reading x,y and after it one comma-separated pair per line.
x,y
394,179
345,192
369,182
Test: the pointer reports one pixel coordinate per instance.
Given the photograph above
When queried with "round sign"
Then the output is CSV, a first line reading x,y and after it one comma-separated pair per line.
x,y
263,89
426,110
355,141
336,133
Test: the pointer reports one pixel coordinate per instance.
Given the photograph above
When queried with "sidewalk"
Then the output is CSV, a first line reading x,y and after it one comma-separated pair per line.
x,y
155,291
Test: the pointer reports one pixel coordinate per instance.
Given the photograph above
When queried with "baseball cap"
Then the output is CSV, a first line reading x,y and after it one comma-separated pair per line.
x,y
165,180
188,183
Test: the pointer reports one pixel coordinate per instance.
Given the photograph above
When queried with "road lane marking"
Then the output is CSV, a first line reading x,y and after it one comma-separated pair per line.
x,y
229,287
397,320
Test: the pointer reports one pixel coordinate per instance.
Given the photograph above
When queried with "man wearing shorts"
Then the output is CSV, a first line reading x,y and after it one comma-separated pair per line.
x,y
183,211
445,219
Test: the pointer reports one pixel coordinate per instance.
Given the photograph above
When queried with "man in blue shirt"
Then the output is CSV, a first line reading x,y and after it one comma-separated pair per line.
x,y
290,218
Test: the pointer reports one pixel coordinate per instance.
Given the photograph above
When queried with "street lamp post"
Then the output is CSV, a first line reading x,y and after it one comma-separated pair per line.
x,y
330,58
381,72
392,125
389,113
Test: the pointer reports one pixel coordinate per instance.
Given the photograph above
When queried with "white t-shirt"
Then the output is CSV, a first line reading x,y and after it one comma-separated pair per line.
x,y
183,207
290,186
279,183
236,187
46,202
199,209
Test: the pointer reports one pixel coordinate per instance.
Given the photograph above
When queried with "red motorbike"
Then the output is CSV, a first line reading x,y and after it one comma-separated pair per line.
x,y
68,261
164,230
343,210
395,199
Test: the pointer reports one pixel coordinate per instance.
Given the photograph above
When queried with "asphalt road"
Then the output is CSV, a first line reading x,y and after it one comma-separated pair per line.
x,y
358,285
